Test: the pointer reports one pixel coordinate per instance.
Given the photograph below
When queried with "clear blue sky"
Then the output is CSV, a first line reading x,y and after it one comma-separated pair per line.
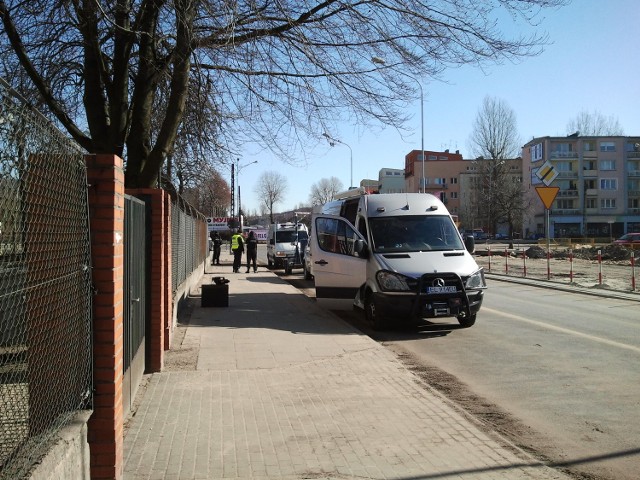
x,y
592,64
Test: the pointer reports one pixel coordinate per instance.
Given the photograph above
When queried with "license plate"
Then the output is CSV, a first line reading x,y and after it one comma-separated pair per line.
x,y
445,289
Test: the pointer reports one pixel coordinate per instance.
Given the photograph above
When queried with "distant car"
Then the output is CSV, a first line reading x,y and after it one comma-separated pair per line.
x,y
628,239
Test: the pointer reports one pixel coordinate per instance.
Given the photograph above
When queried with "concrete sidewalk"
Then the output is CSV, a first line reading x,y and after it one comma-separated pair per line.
x,y
282,389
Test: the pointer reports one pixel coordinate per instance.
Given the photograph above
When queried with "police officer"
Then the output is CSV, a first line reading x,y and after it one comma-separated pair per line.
x,y
252,251
237,247
217,246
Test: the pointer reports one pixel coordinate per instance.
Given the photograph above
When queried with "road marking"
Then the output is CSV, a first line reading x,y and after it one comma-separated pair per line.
x,y
564,330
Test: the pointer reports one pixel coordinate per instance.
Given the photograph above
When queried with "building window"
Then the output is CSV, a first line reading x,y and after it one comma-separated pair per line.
x,y
565,204
608,184
632,146
607,164
591,203
441,181
589,165
453,180
607,203
589,146
634,203
563,149
564,166
432,157
607,147
453,194
590,184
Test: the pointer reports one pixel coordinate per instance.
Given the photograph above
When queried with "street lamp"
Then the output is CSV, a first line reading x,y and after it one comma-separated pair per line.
x,y
332,142
381,61
238,169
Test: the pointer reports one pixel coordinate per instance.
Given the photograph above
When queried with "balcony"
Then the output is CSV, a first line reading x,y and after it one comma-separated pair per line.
x,y
568,193
567,174
564,154
634,173
589,173
589,154
634,210
591,192
565,211
633,154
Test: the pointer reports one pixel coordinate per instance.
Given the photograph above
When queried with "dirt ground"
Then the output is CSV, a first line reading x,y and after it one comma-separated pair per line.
x,y
589,273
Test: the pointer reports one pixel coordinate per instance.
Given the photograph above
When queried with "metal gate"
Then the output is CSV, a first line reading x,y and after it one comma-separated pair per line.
x,y
135,301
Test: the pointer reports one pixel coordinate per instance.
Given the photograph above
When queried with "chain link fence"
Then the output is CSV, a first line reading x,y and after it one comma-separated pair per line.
x,y
189,237
45,284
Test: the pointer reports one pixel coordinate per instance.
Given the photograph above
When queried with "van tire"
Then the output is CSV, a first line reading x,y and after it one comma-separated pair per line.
x,y
372,313
307,274
466,322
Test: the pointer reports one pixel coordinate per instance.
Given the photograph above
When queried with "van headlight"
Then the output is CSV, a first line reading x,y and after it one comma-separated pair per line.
x,y
476,281
393,282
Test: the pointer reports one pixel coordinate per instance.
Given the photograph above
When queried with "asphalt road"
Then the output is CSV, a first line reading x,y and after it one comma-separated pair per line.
x,y
554,371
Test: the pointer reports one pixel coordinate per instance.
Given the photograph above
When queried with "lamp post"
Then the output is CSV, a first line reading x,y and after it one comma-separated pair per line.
x,y
238,169
381,61
332,142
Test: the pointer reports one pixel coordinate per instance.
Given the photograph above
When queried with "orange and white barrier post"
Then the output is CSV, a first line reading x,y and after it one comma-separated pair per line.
x,y
570,266
599,267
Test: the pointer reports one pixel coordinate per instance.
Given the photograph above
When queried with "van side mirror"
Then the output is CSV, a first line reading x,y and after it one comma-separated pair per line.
x,y
360,248
470,243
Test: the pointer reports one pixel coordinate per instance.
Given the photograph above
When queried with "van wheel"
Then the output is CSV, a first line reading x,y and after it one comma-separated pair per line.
x,y
466,322
372,313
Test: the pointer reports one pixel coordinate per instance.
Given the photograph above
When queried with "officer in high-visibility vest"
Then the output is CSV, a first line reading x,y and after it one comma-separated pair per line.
x,y
237,247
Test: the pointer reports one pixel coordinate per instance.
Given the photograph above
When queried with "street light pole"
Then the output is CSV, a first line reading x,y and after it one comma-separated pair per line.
x,y
238,169
332,142
381,61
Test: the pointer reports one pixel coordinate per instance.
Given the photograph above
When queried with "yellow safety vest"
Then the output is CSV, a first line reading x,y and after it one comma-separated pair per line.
x,y
235,243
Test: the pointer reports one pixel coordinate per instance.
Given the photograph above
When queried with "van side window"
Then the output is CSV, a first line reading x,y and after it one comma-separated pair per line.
x,y
362,228
335,236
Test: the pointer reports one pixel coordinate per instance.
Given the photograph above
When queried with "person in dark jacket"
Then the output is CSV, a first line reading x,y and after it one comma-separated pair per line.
x,y
217,247
252,251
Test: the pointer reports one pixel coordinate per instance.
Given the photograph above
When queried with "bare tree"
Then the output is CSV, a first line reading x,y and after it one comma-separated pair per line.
x,y
497,196
325,190
594,124
122,76
495,131
209,193
271,187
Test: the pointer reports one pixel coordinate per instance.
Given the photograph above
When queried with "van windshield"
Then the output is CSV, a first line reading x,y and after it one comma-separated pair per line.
x,y
289,236
414,233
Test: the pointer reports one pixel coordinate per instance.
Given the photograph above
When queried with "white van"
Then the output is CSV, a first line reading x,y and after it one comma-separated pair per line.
x,y
398,256
285,245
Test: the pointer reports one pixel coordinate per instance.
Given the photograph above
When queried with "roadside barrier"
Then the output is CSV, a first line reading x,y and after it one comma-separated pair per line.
x,y
618,275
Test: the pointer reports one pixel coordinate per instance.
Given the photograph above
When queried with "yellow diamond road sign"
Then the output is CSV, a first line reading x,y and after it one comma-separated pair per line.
x,y
547,173
547,195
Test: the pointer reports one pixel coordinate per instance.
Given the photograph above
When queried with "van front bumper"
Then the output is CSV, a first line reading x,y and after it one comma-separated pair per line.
x,y
449,299
412,306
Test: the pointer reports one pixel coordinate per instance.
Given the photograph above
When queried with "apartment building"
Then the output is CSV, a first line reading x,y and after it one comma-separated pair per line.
x,y
391,180
598,180
441,173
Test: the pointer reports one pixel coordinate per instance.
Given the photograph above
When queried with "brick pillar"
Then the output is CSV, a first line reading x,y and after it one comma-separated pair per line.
x,y
106,204
158,299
